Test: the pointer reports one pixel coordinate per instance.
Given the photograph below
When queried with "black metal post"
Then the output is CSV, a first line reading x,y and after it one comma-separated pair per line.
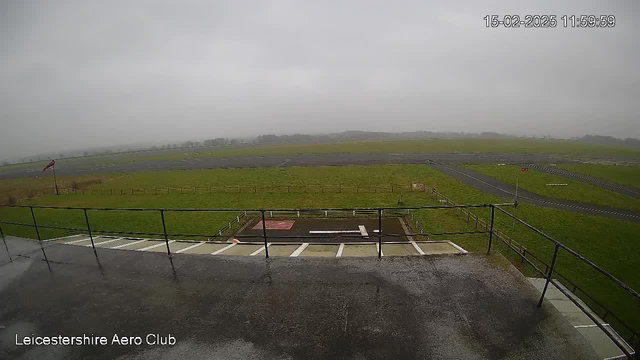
x,y
5,244
35,224
379,233
164,229
264,235
86,218
553,264
493,215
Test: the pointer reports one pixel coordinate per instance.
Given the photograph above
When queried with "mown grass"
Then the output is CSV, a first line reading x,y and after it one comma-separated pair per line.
x,y
624,175
16,190
535,182
610,243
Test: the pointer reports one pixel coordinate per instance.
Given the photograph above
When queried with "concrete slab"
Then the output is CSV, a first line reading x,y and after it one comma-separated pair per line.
x,y
320,251
243,250
359,250
174,246
206,248
399,250
282,250
136,245
604,346
437,248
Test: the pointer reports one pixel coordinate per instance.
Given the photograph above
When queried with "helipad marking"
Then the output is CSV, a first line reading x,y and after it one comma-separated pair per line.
x,y
223,249
259,250
105,242
340,250
155,246
299,250
189,247
123,245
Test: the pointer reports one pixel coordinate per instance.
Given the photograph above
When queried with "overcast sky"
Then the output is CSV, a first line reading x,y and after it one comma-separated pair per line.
x,y
89,73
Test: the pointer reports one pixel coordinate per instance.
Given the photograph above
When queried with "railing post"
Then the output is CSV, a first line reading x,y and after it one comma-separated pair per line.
x,y
86,218
164,229
549,274
493,215
35,224
5,244
379,233
264,235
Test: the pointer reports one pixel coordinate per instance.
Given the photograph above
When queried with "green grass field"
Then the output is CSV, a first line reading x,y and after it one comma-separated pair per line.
x,y
535,182
624,175
369,146
610,243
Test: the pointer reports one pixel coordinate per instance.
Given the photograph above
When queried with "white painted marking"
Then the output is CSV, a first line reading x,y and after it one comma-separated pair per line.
x,y
378,249
189,247
418,249
458,247
299,250
363,231
156,245
334,232
77,241
121,246
259,250
63,237
589,326
340,250
105,242
223,249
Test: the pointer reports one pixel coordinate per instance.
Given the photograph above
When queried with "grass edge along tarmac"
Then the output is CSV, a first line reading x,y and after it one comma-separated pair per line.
x,y
589,235
622,174
535,182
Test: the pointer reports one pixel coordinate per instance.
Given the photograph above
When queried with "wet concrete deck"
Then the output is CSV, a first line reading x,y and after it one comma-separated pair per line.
x,y
414,307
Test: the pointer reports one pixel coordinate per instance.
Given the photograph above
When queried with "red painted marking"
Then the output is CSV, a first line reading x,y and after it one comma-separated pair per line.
x,y
275,225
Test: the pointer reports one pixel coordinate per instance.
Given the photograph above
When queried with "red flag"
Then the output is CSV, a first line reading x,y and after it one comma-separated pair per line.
x,y
51,164
524,169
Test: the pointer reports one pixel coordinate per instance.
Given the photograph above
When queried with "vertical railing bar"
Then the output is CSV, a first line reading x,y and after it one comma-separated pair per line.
x,y
35,224
264,235
164,229
549,274
86,218
493,214
379,233
5,244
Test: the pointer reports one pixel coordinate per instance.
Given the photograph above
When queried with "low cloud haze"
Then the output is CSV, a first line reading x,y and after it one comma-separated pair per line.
x,y
77,74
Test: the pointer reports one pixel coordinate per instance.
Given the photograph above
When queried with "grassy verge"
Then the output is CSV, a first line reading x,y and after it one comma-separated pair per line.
x,y
16,190
535,182
624,175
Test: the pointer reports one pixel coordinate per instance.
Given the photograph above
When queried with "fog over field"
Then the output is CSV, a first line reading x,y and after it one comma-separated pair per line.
x,y
76,74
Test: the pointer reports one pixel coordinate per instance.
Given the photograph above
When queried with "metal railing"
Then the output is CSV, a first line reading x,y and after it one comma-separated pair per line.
x,y
378,212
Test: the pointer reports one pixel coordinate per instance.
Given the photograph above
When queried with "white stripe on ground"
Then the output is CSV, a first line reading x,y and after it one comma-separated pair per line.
x,y
156,245
223,249
340,250
76,241
105,242
123,245
259,250
457,247
589,326
299,250
363,231
334,232
63,237
189,247
379,249
417,248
